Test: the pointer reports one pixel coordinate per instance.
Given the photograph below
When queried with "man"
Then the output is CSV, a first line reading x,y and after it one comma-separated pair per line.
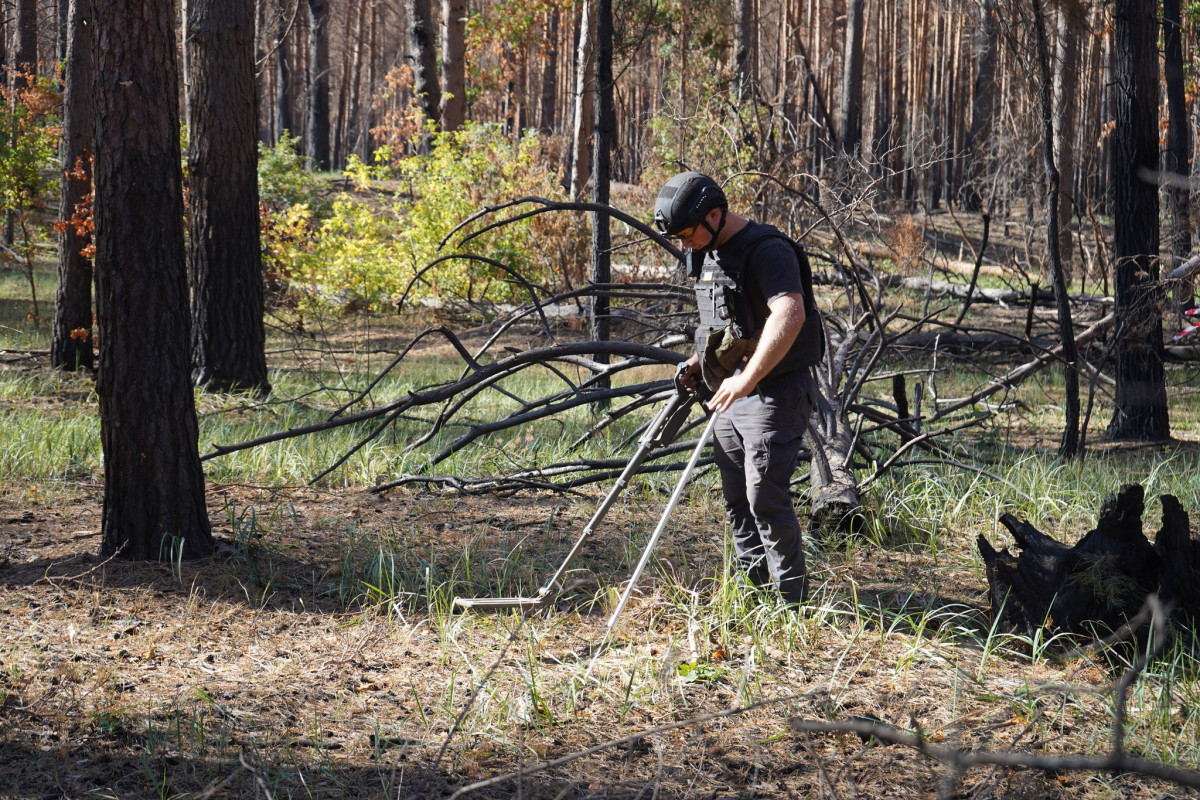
x,y
758,337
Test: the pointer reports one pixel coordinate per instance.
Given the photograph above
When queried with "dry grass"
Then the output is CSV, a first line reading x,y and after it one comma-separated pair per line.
x,y
284,667
249,675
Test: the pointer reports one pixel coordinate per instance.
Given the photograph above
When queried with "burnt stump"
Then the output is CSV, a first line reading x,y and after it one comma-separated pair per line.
x,y
1096,585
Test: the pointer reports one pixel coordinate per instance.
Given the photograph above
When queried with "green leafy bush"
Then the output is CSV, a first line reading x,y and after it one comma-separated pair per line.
x,y
284,179
374,246
29,134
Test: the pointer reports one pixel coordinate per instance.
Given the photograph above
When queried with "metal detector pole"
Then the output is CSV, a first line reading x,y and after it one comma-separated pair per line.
x,y
652,438
662,431
662,523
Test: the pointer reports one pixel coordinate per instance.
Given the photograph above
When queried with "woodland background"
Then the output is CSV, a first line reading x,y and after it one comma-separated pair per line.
x,y
356,304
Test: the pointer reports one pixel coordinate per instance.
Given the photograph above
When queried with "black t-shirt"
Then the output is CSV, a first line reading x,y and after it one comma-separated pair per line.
x,y
766,270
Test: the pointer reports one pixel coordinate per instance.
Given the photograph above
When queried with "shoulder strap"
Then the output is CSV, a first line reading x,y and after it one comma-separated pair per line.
x,y
760,232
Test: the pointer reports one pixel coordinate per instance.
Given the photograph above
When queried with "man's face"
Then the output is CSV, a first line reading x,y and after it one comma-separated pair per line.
x,y
699,237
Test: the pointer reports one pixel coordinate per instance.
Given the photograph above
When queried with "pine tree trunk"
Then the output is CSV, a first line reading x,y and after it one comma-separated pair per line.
x,y
71,346
1070,20
1141,400
603,130
454,64
423,57
743,50
546,116
852,80
317,125
283,90
1177,162
581,133
153,483
224,256
983,106
354,123
1070,444
25,59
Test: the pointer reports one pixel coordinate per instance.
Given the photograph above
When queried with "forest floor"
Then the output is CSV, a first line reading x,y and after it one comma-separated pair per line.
x,y
267,670
233,677
249,675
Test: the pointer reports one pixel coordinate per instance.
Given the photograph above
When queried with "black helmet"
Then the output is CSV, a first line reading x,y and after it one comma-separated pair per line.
x,y
684,201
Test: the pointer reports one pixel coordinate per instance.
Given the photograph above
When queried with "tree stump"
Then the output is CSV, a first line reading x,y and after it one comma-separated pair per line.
x,y
1097,585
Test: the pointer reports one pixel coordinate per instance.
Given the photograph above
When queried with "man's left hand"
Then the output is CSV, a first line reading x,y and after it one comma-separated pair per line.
x,y
732,388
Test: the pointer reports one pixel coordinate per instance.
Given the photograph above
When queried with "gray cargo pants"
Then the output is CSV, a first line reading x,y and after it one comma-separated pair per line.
x,y
757,442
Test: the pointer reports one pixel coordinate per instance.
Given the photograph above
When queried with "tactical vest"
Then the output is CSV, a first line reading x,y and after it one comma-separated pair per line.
x,y
721,300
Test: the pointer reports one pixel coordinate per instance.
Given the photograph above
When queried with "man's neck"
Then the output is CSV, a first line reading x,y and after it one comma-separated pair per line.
x,y
733,226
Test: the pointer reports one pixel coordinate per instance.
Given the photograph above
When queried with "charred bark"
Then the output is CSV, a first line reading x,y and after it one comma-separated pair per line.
x,y
224,255
153,484
1097,585
71,347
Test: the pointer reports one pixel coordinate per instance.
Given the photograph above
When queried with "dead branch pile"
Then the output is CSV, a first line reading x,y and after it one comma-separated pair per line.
x,y
866,415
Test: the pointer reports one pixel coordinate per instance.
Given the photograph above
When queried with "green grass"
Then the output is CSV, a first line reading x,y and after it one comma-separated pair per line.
x,y
900,610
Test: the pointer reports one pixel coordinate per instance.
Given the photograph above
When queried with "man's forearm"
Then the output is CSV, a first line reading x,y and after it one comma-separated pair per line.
x,y
779,332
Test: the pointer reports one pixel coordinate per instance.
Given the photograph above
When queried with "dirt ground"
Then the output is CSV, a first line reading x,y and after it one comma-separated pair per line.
x,y
245,676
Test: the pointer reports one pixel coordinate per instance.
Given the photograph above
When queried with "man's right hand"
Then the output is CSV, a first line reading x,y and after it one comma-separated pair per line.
x,y
688,372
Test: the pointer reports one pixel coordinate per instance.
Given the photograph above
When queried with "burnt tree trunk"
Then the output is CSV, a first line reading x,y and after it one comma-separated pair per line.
x,y
422,55
153,483
283,90
1098,584
25,59
317,121
71,345
1141,397
454,64
224,256
603,131
852,80
1176,156
1070,445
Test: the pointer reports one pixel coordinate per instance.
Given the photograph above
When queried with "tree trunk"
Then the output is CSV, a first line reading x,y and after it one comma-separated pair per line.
x,y
338,157
1101,582
423,57
283,90
71,346
605,124
368,144
852,80
1177,162
743,50
62,30
1141,399
354,125
454,64
1069,446
581,130
1070,22
153,484
25,59
224,255
546,116
983,107
5,75
317,127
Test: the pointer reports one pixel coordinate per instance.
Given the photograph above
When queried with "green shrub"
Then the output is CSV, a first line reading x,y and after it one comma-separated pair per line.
x,y
284,179
373,247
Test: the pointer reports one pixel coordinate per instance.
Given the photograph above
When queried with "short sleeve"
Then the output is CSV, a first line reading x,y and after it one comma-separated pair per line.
x,y
773,270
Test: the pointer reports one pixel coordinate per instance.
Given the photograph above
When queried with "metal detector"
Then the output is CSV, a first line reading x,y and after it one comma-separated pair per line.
x,y
662,431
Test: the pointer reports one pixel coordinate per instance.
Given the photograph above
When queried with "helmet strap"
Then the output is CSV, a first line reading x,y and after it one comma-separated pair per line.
x,y
715,233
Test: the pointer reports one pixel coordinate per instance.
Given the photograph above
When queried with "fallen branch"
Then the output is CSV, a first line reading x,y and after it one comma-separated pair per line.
x,y
1017,375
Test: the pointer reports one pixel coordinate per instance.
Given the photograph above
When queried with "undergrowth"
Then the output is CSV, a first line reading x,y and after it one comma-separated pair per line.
x,y
340,606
